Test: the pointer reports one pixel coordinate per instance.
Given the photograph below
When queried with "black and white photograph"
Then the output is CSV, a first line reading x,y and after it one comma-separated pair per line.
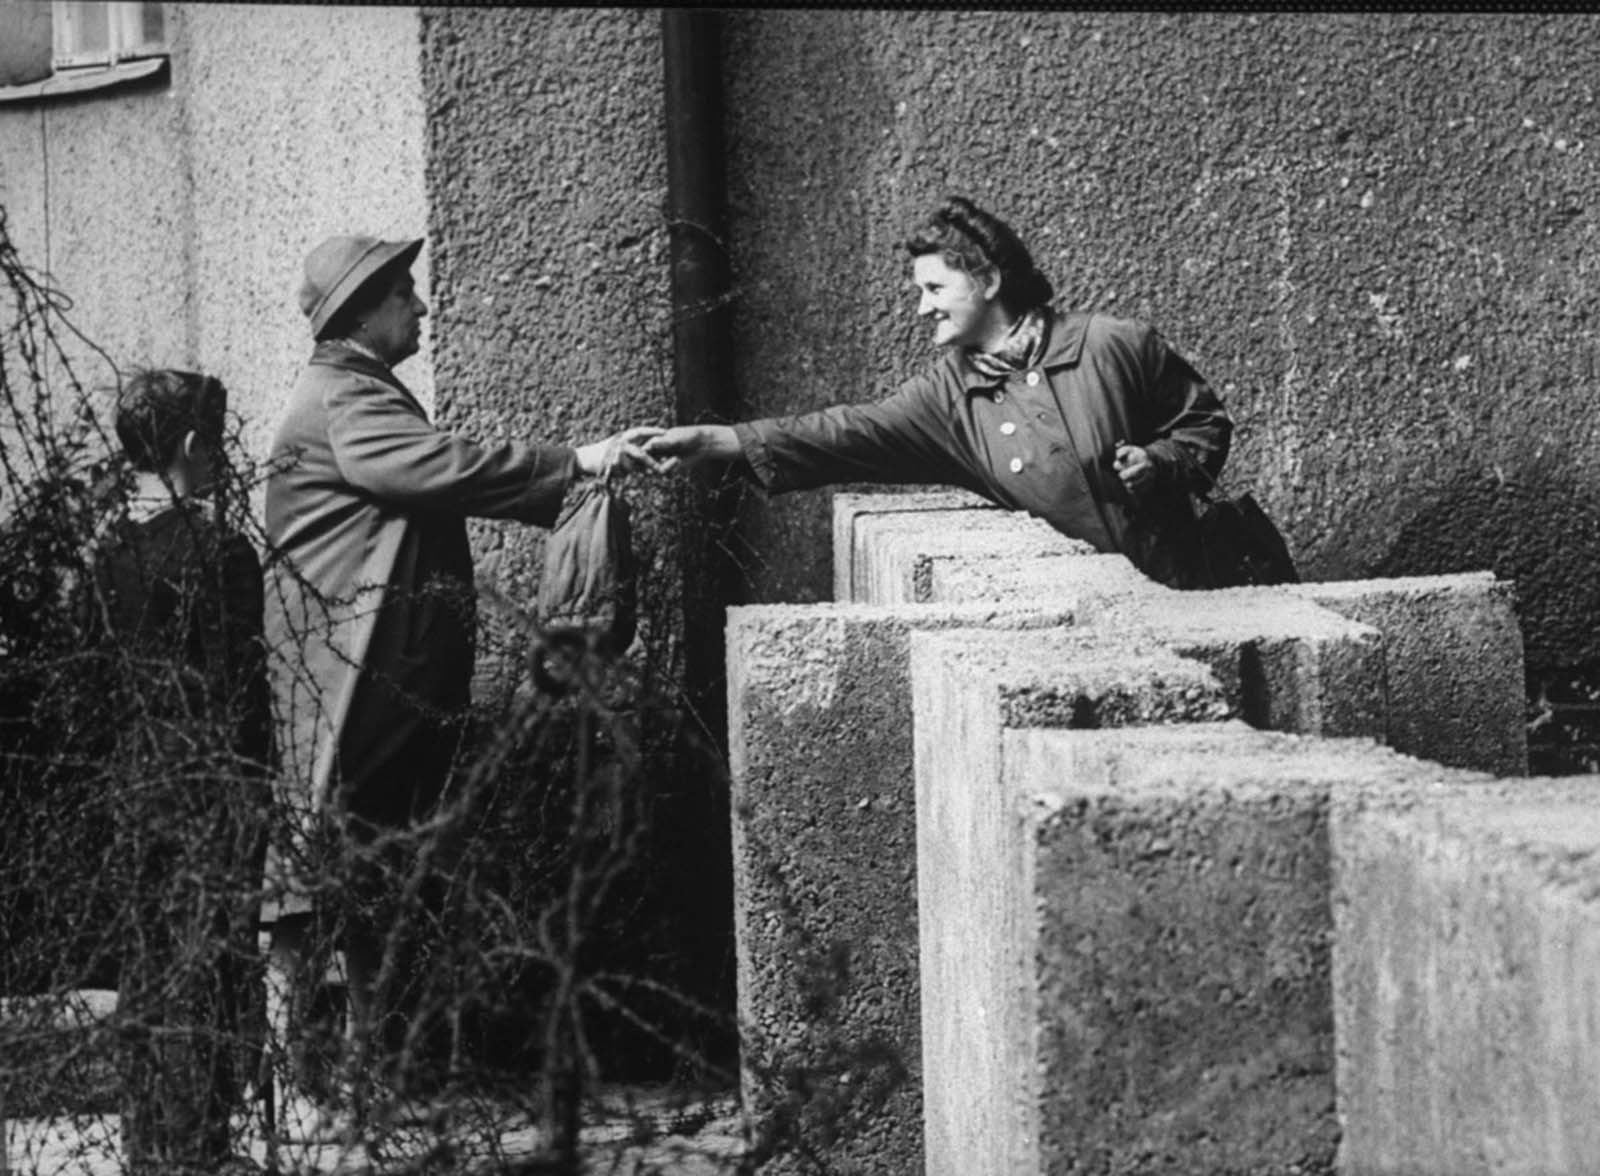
x,y
798,591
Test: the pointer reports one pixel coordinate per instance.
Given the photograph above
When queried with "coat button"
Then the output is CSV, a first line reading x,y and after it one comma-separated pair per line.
x,y
1008,428
1016,465
1033,379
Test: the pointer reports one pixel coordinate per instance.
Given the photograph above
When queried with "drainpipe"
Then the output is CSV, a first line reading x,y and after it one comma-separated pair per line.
x,y
701,337
696,821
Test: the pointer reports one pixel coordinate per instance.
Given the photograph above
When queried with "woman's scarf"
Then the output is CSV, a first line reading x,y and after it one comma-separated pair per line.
x,y
1019,350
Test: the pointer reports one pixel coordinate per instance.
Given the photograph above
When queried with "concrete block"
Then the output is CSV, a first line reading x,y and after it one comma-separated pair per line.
x,y
820,753
897,556
969,688
825,857
851,507
1003,575
965,696
1287,664
1456,679
1156,980
1454,675
1467,975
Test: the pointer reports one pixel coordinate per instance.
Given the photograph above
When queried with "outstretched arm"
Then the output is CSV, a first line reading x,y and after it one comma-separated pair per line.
x,y
693,444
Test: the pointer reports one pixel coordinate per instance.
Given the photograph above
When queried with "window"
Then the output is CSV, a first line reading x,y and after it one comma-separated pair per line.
x,y
71,46
90,33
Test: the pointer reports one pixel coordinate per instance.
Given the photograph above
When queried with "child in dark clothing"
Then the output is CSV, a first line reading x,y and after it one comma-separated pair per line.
x,y
178,612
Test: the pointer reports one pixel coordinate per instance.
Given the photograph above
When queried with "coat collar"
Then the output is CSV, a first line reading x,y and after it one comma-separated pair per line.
x,y
337,354
1063,347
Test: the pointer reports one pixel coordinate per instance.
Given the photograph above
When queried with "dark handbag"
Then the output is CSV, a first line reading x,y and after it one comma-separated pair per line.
x,y
588,595
1239,543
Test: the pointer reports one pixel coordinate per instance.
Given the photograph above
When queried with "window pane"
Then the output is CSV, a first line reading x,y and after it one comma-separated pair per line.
x,y
88,28
155,24
25,42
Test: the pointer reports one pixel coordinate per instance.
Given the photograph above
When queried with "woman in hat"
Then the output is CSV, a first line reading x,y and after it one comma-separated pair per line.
x,y
1091,423
370,607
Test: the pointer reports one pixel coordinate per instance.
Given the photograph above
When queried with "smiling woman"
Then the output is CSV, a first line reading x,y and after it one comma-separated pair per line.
x,y
1091,423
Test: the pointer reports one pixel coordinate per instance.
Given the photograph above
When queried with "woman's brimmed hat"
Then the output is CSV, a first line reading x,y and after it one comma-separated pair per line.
x,y
340,266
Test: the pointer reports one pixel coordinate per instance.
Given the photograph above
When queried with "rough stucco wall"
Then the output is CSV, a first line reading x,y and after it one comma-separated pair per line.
x,y
1369,231
96,196
176,216
285,157
548,182
547,187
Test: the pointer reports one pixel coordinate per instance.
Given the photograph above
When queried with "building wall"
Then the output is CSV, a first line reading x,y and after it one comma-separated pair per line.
x,y
97,198
176,215
1371,232
306,121
547,184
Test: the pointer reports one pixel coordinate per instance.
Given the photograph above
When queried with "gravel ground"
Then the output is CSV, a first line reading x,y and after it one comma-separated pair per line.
x,y
633,1132
628,1130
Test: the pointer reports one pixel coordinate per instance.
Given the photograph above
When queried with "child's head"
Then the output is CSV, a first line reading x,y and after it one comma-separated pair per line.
x,y
164,415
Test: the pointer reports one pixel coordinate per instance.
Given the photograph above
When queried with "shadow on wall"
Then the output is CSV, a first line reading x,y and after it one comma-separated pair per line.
x,y
1538,526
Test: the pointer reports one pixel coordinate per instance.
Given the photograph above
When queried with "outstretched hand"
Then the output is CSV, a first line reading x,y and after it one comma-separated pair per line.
x,y
621,453
693,444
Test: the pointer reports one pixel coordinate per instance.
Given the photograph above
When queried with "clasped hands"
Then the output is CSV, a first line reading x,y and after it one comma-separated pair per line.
x,y
647,447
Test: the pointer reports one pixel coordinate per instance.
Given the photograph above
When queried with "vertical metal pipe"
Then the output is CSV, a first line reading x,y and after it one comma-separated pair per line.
x,y
697,219
696,822
697,210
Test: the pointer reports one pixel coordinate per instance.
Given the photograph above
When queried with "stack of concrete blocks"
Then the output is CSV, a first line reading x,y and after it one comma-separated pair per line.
x,y
821,751
819,732
1206,948
1454,670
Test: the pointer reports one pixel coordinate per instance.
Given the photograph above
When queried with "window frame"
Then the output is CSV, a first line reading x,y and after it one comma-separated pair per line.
x,y
126,36
130,55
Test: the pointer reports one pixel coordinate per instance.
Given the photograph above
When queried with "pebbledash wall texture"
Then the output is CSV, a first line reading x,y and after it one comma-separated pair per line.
x,y
176,215
1372,232
546,175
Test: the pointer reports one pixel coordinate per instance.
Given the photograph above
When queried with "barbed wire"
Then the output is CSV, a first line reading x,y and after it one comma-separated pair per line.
x,y
134,1028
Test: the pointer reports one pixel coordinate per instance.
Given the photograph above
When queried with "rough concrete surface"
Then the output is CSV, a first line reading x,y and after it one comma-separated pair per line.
x,y
176,216
979,576
1449,672
1366,229
1467,953
1454,665
1292,665
1289,663
849,506
1173,970
899,557
547,185
820,754
969,899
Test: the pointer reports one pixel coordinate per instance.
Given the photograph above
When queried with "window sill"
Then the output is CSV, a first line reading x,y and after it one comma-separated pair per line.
x,y
84,81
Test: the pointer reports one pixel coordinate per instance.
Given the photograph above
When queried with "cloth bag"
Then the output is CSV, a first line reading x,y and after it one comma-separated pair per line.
x,y
588,594
1239,543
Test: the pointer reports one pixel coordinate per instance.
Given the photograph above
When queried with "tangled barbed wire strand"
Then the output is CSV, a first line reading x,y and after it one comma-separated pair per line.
x,y
131,980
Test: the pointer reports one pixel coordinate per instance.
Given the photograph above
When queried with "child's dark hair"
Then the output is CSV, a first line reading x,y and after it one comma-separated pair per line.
x,y
157,408
979,243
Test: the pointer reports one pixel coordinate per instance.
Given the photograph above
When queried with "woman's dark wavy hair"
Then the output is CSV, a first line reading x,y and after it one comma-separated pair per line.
x,y
980,243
